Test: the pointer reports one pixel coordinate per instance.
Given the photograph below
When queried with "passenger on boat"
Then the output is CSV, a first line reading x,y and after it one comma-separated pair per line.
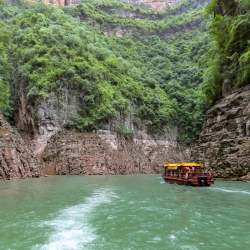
x,y
186,175
187,171
193,169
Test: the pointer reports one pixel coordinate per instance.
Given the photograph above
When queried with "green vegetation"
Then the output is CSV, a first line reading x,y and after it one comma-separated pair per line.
x,y
228,60
151,72
4,67
112,14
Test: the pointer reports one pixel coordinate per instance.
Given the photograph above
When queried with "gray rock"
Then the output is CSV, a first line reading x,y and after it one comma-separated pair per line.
x,y
224,144
16,160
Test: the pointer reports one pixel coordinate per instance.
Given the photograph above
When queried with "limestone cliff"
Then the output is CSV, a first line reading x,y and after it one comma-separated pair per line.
x,y
156,5
105,152
16,160
224,144
60,3
46,147
62,151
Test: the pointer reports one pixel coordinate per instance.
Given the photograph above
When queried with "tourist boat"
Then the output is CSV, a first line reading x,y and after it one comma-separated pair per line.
x,y
190,174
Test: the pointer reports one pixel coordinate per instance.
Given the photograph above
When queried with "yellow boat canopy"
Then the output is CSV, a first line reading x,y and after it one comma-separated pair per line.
x,y
173,166
191,164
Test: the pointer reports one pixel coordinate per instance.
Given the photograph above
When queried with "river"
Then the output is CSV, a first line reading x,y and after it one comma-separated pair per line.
x,y
122,212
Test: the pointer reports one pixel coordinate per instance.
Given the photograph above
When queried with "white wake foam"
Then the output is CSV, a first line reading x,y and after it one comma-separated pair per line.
x,y
72,228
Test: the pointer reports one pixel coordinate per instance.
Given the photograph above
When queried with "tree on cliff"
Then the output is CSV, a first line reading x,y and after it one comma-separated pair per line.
x,y
152,73
228,60
4,67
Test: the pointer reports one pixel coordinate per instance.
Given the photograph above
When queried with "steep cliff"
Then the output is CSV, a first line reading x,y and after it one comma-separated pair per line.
x,y
68,79
105,152
156,5
45,147
55,150
60,3
16,160
224,144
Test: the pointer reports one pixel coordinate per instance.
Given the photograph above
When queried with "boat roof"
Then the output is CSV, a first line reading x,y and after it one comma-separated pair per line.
x,y
182,164
172,165
191,164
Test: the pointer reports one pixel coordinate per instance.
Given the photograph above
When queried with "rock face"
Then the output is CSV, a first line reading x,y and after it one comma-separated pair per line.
x,y
245,178
104,152
60,3
16,160
47,148
61,151
156,5
224,144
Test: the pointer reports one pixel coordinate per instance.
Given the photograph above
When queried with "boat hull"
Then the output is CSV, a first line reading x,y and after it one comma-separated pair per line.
x,y
198,182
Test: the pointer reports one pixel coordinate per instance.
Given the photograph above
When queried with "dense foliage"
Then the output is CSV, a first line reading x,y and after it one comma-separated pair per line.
x,y
152,71
140,22
4,69
228,60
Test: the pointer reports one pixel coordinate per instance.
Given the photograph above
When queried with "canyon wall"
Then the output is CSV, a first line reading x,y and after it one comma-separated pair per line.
x,y
62,151
60,3
106,152
45,147
224,144
16,160
156,5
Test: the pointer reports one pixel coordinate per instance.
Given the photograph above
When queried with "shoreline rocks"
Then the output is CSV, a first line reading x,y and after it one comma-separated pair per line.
x,y
245,178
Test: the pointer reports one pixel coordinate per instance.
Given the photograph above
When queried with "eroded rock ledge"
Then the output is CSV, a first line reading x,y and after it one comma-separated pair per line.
x,y
65,152
104,152
224,144
16,160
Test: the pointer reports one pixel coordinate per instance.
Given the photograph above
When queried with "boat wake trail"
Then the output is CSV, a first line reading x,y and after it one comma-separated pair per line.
x,y
71,229
232,191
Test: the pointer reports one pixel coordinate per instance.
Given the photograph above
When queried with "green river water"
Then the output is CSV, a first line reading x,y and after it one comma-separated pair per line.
x,y
122,212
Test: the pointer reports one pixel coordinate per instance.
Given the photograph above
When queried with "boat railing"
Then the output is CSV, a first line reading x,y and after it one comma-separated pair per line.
x,y
190,175
200,174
